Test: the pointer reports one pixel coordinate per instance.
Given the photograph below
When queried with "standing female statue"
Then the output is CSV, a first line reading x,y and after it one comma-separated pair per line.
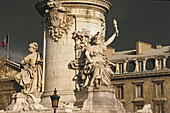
x,y
30,77
97,61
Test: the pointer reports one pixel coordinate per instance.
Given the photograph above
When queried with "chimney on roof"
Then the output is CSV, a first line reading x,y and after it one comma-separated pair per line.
x,y
142,47
158,46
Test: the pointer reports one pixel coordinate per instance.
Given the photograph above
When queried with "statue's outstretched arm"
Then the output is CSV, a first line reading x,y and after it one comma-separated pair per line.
x,y
110,40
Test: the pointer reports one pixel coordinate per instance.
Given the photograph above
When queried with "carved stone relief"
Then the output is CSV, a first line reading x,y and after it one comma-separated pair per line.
x,y
58,20
6,72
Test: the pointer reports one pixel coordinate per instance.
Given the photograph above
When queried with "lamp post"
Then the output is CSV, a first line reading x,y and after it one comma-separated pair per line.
x,y
55,100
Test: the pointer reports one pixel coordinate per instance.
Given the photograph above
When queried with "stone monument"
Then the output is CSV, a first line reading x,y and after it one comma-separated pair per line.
x,y
75,63
61,18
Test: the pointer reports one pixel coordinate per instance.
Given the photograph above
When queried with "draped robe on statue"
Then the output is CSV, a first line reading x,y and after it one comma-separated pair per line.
x,y
100,66
30,78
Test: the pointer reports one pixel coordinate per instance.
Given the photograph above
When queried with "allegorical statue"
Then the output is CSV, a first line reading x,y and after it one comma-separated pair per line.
x,y
91,61
30,77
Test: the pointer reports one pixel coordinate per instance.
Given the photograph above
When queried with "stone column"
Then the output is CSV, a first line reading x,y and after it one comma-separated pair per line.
x,y
117,68
144,65
137,66
164,63
156,64
124,66
78,14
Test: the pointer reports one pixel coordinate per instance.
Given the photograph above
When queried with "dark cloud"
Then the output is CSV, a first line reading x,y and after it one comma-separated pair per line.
x,y
138,20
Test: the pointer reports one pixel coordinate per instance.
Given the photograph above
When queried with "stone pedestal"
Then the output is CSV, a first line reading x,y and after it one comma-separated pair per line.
x,y
99,100
60,47
21,102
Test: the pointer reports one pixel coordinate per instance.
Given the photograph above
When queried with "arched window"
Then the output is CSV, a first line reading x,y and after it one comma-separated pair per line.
x,y
150,64
168,62
131,66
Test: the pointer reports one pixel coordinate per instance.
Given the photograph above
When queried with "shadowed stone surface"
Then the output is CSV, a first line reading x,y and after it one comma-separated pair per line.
x,y
98,100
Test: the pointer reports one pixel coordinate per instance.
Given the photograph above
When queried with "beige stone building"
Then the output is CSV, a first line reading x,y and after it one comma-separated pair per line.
x,y
7,71
142,77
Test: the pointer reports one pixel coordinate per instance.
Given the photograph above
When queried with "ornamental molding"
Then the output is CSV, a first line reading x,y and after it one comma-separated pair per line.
x,y
102,4
57,19
97,8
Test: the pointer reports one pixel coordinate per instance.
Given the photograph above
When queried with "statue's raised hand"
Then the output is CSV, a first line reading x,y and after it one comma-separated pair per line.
x,y
115,26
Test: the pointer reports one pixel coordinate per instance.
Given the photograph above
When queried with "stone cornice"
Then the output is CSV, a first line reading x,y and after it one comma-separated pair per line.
x,y
133,75
10,63
100,5
142,57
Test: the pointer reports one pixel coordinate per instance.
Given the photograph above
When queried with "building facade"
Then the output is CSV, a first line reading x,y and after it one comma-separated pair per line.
x,y
7,83
142,77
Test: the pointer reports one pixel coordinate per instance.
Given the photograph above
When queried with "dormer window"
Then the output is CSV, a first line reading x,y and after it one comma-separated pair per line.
x,y
140,66
120,68
160,64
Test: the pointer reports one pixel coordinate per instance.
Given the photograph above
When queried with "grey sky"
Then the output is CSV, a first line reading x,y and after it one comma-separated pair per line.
x,y
148,21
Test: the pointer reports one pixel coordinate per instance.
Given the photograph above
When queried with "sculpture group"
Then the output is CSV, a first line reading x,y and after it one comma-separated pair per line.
x,y
91,64
91,61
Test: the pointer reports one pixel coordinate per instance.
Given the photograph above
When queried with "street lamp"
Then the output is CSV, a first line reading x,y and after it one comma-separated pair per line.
x,y
55,100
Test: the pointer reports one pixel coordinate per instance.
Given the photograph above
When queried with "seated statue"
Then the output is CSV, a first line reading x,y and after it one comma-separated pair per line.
x,y
98,62
91,61
30,77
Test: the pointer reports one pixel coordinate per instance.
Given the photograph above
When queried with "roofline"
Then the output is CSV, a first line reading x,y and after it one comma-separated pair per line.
x,y
12,63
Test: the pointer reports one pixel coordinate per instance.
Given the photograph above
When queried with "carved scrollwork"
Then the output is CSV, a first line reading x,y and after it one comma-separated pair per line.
x,y
58,20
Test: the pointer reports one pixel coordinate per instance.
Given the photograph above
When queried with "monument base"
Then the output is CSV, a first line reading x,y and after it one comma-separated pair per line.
x,y
23,102
67,99
99,100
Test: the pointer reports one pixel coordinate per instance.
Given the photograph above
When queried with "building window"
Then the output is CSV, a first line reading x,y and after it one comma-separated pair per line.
x,y
159,108
121,70
120,94
159,98
138,95
160,64
139,91
159,89
119,86
140,66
